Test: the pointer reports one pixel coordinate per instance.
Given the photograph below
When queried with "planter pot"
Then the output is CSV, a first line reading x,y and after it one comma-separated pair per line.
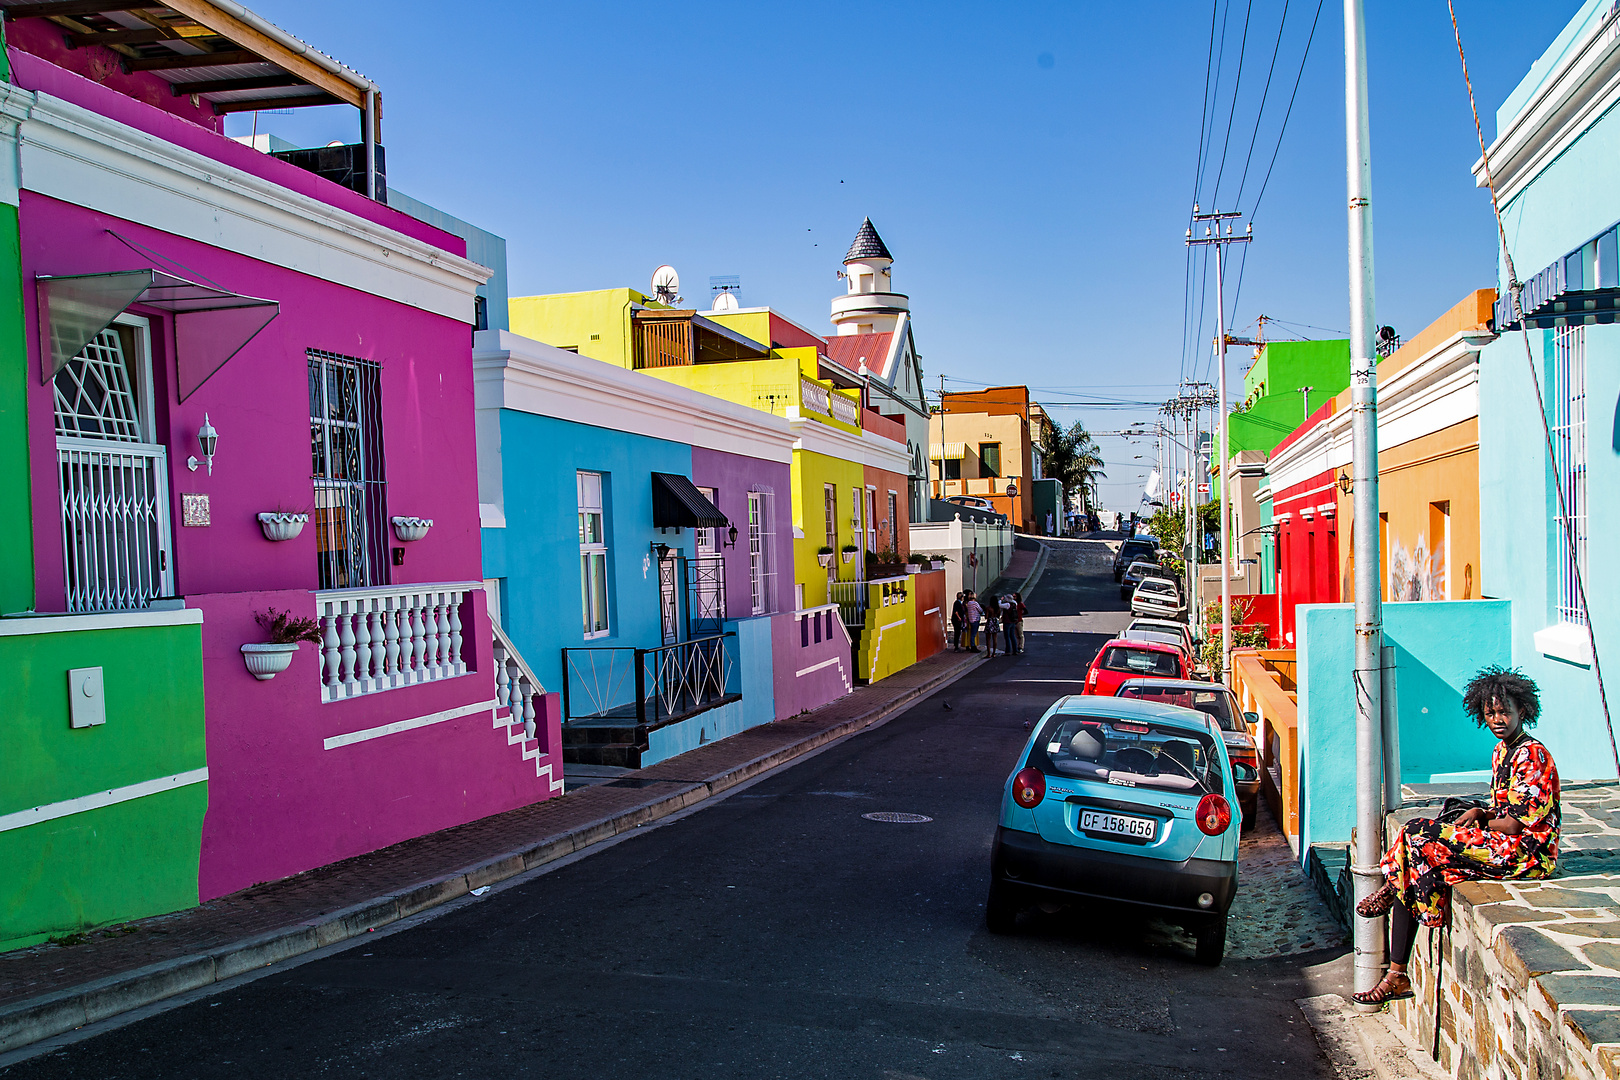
x,y
824,560
914,568
282,526
265,662
411,528
938,564
848,555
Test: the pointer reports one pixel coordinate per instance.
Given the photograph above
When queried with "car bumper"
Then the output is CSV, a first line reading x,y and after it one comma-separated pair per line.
x,y
1038,867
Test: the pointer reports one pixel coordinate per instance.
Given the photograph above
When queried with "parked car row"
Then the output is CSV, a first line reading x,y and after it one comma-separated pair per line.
x,y
1127,792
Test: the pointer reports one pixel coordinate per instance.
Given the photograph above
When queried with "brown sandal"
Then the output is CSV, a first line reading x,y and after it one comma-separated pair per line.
x,y
1378,903
1394,986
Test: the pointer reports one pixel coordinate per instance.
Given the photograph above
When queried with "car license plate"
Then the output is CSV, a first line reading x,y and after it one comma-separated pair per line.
x,y
1136,828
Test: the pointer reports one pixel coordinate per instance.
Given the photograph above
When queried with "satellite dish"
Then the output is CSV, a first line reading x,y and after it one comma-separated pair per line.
x,y
666,283
726,301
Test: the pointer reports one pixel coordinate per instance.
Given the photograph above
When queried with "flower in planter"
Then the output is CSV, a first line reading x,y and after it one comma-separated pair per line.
x,y
284,629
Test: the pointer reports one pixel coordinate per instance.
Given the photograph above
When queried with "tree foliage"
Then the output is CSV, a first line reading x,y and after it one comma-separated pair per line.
x,y
1072,457
1169,526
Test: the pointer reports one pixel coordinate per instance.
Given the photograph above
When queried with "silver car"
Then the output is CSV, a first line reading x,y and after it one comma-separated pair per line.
x,y
1157,596
1216,700
1134,573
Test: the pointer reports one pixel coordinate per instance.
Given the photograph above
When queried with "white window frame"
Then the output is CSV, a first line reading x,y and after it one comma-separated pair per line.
x,y
761,557
595,605
1568,394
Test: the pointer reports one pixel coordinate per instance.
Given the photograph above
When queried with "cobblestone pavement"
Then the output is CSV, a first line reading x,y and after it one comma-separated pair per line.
x,y
1277,911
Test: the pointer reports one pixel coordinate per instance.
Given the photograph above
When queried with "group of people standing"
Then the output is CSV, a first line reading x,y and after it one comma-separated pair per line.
x,y
1002,618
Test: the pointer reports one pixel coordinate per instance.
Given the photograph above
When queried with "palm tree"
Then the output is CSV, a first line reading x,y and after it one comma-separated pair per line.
x,y
1072,457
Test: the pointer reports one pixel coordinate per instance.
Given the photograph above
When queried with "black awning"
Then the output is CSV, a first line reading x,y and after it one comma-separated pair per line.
x,y
677,504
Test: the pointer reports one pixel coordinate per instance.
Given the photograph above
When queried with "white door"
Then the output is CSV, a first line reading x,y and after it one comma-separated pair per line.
x,y
114,475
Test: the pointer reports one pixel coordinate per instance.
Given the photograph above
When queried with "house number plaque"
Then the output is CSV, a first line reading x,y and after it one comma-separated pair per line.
x,y
194,510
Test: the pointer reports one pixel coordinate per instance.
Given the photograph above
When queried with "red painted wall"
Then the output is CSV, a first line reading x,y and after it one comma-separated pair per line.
x,y
1307,550
928,589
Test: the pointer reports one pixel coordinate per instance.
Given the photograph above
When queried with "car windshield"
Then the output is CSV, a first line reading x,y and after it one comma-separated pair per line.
x,y
1132,548
1127,753
1140,661
1212,702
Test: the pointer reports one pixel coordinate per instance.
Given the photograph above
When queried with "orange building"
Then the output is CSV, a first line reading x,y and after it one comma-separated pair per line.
x,y
985,441
1428,460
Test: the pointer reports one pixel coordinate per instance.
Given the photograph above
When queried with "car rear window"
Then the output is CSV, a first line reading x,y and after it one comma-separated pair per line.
x,y
1127,753
1159,587
1135,549
1140,661
1216,703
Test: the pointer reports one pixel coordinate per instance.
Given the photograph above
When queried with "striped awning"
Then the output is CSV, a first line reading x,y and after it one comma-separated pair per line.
x,y
951,451
678,503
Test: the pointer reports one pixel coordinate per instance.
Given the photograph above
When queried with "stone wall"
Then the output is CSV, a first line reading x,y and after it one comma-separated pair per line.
x,y
1528,971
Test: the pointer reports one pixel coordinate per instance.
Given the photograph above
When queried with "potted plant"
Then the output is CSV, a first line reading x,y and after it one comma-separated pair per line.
x,y
266,660
283,524
849,552
939,561
884,562
411,528
916,562
824,555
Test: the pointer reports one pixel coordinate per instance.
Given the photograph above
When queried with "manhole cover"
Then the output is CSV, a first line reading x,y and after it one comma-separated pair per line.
x,y
904,819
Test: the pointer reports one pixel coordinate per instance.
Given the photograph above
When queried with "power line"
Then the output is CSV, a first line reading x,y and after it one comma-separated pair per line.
x,y
1290,112
1237,84
1264,96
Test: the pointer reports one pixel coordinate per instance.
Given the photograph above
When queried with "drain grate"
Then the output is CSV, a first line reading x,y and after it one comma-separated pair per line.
x,y
903,819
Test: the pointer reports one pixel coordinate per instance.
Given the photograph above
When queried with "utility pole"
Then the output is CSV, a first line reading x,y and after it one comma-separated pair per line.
x,y
1305,395
941,437
1369,834
1218,238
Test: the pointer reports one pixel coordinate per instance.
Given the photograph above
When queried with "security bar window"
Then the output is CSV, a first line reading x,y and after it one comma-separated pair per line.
x,y
1568,391
351,490
894,521
593,555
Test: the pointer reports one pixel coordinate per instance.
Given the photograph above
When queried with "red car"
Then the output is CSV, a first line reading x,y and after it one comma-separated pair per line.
x,y
1123,659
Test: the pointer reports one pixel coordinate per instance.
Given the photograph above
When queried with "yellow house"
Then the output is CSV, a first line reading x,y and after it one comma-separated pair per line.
x,y
757,357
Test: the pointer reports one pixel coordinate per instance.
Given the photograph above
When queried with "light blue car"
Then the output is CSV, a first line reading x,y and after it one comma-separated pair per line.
x,y
1124,800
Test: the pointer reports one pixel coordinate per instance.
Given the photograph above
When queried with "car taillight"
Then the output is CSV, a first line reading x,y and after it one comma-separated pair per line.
x,y
1214,814
1245,757
1029,788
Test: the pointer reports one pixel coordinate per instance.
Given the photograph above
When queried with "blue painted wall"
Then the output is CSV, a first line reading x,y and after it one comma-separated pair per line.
x,y
1439,645
751,676
537,554
1576,196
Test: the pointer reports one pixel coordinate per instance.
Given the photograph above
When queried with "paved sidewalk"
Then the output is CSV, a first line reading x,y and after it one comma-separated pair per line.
x,y
50,989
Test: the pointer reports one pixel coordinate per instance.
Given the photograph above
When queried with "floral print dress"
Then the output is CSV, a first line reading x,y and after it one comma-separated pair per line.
x,y
1430,856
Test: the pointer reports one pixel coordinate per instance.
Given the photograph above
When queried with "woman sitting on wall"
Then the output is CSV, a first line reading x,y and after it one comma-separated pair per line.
x,y
1516,837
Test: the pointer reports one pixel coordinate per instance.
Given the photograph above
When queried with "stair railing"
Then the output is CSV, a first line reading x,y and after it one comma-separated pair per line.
x,y
516,685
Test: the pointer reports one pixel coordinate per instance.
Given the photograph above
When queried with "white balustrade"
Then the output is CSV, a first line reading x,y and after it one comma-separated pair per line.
x,y
381,639
516,687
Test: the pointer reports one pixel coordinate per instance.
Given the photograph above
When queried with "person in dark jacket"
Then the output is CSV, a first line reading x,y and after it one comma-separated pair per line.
x,y
958,614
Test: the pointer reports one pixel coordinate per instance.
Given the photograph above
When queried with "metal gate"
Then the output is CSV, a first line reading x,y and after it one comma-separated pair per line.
x,y
705,596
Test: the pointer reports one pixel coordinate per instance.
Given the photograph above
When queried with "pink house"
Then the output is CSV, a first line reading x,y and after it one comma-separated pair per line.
x,y
226,350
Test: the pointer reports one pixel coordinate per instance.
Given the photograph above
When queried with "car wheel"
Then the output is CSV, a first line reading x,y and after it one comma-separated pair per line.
x,y
1000,910
1212,941
1124,594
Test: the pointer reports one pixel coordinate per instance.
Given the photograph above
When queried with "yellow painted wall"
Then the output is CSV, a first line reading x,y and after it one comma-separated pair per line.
x,y
811,472
754,325
597,323
889,642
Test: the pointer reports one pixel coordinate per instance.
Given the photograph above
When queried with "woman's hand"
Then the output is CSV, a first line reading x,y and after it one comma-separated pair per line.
x,y
1475,818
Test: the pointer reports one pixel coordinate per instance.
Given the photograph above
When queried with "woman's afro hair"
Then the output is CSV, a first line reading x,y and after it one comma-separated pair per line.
x,y
1494,684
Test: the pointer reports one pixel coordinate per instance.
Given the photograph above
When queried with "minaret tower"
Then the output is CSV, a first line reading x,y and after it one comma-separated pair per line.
x,y
871,306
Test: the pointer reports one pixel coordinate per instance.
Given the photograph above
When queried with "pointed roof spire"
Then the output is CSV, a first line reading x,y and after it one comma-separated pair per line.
x,y
868,245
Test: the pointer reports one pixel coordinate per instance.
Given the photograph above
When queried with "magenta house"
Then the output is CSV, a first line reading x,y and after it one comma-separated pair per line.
x,y
250,391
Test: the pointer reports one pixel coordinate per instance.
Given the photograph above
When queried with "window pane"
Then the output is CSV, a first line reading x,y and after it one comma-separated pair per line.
x,y
599,590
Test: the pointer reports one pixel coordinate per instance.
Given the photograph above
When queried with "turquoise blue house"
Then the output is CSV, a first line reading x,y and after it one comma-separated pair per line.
x,y
631,533
1556,166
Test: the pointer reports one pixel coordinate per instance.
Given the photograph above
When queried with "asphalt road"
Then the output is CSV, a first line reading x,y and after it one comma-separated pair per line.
x,y
776,933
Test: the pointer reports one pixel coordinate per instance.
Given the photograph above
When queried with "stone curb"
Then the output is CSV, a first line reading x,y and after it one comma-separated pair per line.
x,y
1035,572
1366,1043
51,1014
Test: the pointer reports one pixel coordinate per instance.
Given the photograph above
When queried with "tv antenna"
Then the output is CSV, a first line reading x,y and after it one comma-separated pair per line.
x,y
725,288
666,284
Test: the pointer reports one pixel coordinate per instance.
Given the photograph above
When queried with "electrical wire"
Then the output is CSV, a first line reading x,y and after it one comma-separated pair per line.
x,y
1514,293
1237,84
1264,95
1258,199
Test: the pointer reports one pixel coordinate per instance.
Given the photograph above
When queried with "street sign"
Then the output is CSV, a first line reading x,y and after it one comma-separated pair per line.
x,y
1203,489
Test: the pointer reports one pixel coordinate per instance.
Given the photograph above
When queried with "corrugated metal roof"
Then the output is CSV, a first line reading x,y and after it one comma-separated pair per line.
x,y
848,350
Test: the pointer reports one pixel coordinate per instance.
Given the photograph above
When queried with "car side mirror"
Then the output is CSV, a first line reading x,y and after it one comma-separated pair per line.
x,y
1252,719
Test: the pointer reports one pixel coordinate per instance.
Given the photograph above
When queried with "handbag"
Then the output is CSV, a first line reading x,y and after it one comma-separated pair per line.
x,y
1453,808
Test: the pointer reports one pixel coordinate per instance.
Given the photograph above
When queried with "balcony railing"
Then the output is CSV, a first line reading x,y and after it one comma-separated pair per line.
x,y
382,639
649,686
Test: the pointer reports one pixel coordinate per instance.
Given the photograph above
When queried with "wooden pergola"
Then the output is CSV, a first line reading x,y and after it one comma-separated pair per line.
x,y
215,51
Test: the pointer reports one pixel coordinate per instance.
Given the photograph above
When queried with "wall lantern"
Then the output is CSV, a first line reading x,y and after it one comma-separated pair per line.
x,y
208,439
1345,483
731,533
662,551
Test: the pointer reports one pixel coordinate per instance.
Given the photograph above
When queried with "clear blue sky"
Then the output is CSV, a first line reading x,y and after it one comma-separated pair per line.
x,y
1031,166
